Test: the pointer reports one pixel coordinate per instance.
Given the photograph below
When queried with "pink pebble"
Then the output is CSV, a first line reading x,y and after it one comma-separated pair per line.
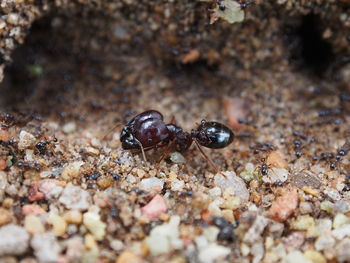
x,y
33,192
32,210
155,207
46,186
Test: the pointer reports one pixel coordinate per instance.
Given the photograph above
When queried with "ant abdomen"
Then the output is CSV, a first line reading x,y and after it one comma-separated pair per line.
x,y
213,135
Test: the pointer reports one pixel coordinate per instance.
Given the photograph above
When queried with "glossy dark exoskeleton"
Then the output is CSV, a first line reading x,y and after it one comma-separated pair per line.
x,y
148,130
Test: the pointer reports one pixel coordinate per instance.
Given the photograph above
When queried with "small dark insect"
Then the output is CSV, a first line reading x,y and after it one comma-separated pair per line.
x,y
148,131
264,168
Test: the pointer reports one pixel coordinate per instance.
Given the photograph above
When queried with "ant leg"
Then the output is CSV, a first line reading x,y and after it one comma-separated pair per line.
x,y
167,151
142,150
173,120
110,130
207,157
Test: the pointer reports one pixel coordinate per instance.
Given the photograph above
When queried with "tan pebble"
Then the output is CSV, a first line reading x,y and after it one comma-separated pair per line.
x,y
128,257
315,256
5,217
3,164
73,217
7,203
33,224
228,215
164,217
310,191
190,57
94,224
172,175
59,224
104,182
276,159
90,242
72,170
4,135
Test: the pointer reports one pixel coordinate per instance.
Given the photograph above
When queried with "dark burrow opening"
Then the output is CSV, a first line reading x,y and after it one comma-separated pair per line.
x,y
309,50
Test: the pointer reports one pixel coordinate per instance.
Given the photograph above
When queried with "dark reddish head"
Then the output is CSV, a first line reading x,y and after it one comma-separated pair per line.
x,y
146,129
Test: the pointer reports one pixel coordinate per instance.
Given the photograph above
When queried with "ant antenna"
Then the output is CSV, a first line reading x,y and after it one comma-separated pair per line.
x,y
109,132
142,150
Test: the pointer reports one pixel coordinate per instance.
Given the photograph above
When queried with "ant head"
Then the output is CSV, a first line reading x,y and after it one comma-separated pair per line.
x,y
128,140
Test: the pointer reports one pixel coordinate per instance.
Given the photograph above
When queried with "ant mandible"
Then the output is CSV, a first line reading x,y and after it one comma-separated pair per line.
x,y
148,131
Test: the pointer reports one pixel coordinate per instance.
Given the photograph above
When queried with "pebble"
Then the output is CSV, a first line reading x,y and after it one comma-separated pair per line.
x,y
177,185
152,184
276,159
26,140
257,252
90,242
254,232
177,157
46,247
284,206
332,194
165,237
58,223
33,224
33,192
249,173
305,208
32,209
190,57
340,220
12,18
296,257
213,253
4,135
276,175
73,217
5,216
315,256
73,197
155,207
93,223
303,222
69,127
3,164
50,188
215,192
75,249
324,242
13,240
72,170
232,184
341,232
128,257
343,250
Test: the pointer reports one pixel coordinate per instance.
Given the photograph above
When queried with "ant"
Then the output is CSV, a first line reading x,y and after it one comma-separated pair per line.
x,y
148,131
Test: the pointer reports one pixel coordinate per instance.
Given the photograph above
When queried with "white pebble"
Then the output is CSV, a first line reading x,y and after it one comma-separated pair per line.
x,y
26,140
232,184
73,197
276,175
152,184
213,253
46,247
69,127
13,240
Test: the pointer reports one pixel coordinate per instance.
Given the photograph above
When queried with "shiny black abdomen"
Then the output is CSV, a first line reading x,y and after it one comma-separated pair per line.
x,y
214,135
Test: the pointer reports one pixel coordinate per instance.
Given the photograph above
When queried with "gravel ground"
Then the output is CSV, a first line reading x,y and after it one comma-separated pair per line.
x,y
70,193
